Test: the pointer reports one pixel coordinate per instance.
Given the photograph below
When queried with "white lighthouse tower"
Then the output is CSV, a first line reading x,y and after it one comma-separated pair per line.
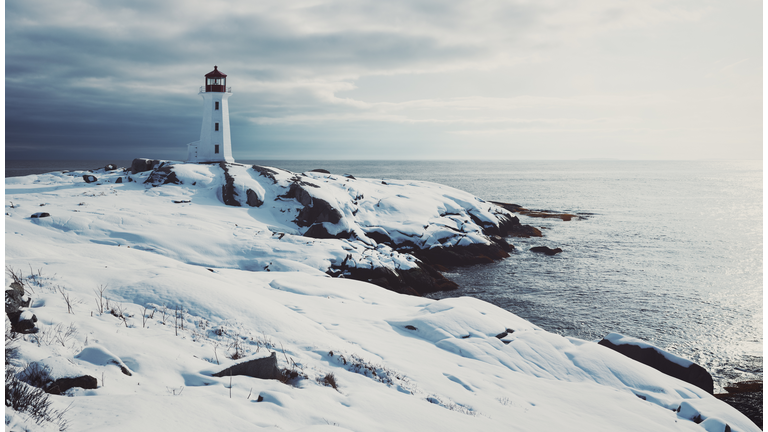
x,y
215,144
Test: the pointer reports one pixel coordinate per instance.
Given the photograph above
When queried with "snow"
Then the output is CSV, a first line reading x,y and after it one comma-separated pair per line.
x,y
191,284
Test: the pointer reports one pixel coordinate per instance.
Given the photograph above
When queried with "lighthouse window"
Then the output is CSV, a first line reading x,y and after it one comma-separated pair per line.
x,y
216,105
217,126
216,149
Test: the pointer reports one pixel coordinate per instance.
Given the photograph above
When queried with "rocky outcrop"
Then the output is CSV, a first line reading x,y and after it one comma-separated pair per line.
x,y
475,229
416,281
228,192
747,398
514,208
266,172
655,358
253,199
315,211
61,385
545,250
262,368
162,175
142,165
464,255
89,178
22,321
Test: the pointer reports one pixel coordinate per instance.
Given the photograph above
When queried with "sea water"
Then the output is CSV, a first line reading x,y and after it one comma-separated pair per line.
x,y
667,251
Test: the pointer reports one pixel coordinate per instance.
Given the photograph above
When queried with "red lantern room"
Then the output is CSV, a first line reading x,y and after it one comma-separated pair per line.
x,y
215,81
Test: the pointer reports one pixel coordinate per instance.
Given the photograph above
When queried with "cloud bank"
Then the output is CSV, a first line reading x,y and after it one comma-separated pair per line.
x,y
401,79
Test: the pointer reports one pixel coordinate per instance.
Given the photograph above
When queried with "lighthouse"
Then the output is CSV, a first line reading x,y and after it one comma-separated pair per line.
x,y
215,144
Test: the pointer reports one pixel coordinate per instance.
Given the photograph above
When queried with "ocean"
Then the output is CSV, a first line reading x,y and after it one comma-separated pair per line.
x,y
668,251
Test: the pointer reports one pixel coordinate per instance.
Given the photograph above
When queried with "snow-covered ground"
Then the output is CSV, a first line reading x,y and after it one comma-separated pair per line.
x,y
189,287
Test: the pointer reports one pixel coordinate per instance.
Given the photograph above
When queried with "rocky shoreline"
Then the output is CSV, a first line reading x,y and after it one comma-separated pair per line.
x,y
317,214
747,398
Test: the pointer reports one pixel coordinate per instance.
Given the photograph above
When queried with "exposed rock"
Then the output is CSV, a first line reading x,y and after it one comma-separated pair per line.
x,y
350,176
253,199
266,172
119,180
23,321
315,210
545,250
110,167
61,385
40,215
319,231
182,201
748,403
462,255
538,213
14,298
228,192
652,357
89,178
263,368
416,281
320,170
141,165
162,175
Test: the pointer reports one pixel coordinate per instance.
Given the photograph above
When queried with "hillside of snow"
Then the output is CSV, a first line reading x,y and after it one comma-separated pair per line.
x,y
153,283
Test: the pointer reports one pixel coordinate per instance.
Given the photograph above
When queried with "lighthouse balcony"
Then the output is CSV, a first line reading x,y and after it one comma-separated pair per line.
x,y
215,89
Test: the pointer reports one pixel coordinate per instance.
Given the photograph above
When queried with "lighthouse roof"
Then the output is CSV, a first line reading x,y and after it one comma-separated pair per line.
x,y
215,73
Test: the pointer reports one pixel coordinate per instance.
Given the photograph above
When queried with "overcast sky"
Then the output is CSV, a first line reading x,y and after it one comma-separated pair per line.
x,y
372,79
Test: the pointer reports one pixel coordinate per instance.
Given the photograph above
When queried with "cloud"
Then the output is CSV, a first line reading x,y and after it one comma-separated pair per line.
x,y
77,69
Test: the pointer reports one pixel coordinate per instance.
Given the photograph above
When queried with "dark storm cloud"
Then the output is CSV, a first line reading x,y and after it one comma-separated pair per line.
x,y
76,71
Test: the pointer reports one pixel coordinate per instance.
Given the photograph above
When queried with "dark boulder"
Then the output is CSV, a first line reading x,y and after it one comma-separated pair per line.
x,y
141,165
320,170
319,231
253,198
380,236
262,368
654,357
463,255
89,178
22,321
61,385
40,215
545,250
110,167
119,180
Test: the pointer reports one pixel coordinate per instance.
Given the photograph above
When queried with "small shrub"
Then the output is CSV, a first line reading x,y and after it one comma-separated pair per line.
x,y
24,398
329,380
36,375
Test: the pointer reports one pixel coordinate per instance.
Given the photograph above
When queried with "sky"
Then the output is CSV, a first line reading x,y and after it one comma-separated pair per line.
x,y
401,79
